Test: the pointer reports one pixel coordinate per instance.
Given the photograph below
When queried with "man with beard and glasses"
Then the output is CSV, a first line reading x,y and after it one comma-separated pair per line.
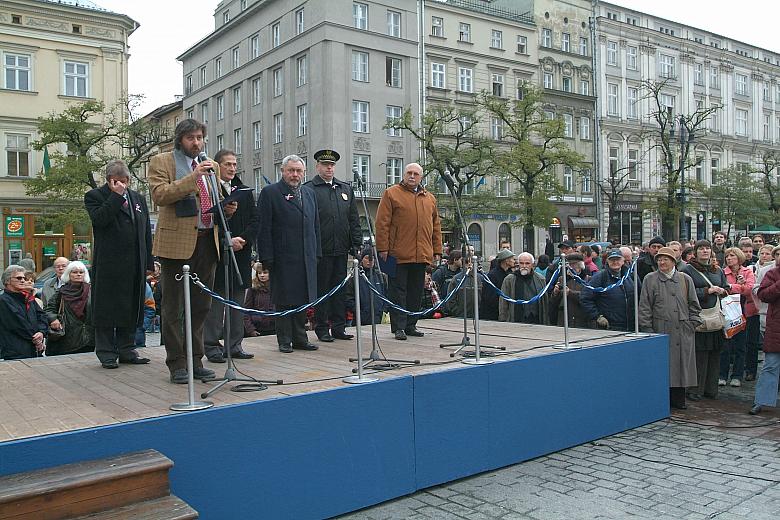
x,y
524,284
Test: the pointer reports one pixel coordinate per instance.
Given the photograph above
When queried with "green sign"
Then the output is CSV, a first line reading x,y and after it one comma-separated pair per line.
x,y
14,226
14,245
50,250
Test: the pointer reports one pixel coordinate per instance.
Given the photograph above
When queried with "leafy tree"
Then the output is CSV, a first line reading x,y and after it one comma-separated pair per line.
x,y
768,168
531,149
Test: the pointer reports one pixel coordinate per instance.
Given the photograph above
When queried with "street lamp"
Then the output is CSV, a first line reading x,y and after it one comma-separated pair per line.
x,y
685,137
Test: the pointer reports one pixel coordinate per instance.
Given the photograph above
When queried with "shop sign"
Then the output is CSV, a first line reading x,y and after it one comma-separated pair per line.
x,y
14,226
50,250
627,206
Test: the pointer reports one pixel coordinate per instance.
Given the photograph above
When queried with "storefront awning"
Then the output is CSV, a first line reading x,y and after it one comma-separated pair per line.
x,y
583,222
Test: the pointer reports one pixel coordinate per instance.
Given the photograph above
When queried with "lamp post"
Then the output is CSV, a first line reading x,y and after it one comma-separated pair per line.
x,y
685,138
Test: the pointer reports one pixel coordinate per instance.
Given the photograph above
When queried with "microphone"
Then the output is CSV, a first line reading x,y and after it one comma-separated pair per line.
x,y
448,180
203,157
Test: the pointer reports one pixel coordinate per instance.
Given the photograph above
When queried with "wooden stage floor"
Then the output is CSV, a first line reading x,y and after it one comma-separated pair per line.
x,y
59,394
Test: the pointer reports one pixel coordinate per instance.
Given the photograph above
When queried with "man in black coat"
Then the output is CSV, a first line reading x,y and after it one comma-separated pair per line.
x,y
288,245
340,234
243,229
120,261
647,264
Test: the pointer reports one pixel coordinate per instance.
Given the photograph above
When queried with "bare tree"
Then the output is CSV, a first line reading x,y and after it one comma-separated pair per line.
x,y
769,167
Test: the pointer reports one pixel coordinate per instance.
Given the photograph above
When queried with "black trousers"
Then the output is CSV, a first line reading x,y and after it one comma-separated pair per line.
x,y
329,315
291,329
115,343
406,290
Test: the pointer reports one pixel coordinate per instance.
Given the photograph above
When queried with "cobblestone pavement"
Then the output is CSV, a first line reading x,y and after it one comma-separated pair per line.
x,y
712,461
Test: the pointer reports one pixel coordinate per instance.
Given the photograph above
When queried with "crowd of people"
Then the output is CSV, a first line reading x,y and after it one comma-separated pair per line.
x,y
292,244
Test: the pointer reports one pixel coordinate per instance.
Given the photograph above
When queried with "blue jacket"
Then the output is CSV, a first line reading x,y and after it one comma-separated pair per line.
x,y
617,304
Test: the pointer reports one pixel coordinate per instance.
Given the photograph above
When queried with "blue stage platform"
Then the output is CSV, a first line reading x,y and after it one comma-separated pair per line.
x,y
320,454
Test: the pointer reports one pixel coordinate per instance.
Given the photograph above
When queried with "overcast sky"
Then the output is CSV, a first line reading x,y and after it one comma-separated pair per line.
x,y
169,27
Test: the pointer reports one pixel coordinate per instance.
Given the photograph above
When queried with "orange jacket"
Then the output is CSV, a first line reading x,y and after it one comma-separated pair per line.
x,y
407,225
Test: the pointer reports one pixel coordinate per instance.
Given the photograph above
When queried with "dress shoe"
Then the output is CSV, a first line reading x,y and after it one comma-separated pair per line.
x,y
325,338
755,410
400,335
694,397
204,374
415,333
179,376
307,346
241,355
135,361
285,348
343,335
110,364
216,358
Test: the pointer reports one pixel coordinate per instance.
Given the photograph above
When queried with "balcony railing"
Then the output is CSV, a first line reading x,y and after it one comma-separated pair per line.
x,y
372,190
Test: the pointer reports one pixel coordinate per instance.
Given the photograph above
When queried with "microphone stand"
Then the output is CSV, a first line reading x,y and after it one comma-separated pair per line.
x,y
375,360
230,266
466,340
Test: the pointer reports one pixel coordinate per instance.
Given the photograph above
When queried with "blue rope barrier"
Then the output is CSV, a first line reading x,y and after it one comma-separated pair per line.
x,y
503,295
398,308
272,314
608,287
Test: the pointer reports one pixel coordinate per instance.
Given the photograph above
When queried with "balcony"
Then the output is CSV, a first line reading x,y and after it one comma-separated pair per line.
x,y
634,185
373,190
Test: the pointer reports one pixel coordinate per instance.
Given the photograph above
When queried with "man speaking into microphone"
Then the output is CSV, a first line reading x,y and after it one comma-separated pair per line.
x,y
408,239
180,182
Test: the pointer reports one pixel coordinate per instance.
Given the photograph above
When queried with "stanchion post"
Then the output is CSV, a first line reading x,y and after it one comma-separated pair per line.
x,y
564,287
477,360
192,404
359,378
635,267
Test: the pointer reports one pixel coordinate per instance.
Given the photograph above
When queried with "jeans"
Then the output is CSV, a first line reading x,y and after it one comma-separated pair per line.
x,y
766,386
752,344
733,348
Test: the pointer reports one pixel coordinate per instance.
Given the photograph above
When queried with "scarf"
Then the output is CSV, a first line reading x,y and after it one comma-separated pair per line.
x,y
295,190
76,297
29,297
712,267
670,274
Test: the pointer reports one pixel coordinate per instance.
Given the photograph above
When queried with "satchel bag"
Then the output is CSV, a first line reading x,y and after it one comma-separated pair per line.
x,y
712,318
57,334
735,321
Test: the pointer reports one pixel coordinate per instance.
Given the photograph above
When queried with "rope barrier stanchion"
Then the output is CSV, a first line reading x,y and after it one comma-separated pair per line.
x,y
636,333
192,404
564,270
477,359
359,378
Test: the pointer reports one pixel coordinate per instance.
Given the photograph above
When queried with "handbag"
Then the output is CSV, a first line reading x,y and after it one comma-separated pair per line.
x,y
57,334
712,317
735,321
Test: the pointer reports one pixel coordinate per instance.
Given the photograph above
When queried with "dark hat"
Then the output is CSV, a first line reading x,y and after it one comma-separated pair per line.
x,y
575,257
366,252
615,253
666,251
504,254
567,243
326,156
701,243
657,240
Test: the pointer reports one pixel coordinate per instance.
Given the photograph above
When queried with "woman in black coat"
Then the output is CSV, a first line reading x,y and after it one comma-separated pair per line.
x,y
23,323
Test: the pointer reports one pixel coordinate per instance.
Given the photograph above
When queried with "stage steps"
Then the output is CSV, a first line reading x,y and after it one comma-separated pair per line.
x,y
133,485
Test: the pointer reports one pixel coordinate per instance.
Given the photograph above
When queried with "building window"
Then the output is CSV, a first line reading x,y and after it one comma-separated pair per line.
x,y
548,80
613,161
299,21
278,128
464,32
392,114
496,39
714,169
76,79
613,16
566,42
568,180
549,115
631,55
237,100
612,53
236,58
360,116
276,37
17,72
566,84
740,84
300,70
359,66
17,151
303,122
547,38
438,75
496,128
699,169
191,114
667,66
497,84
218,68
587,184
520,89
612,99
714,77
741,119
393,170
698,74
220,108
437,26
568,125
254,45
360,16
766,91
585,87
767,127
502,188
203,76
584,127
633,161
278,82
668,101
220,142
226,17
465,79
256,91
583,46
393,72
522,45
360,164
187,84
257,136
714,121
632,98
394,24
237,141
204,113
243,5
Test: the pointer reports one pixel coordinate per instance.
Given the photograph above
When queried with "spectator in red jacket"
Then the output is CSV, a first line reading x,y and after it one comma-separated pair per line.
x,y
769,292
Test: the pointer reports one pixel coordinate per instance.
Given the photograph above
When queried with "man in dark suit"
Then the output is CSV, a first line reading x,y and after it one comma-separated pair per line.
x,y
340,234
243,228
288,245
121,258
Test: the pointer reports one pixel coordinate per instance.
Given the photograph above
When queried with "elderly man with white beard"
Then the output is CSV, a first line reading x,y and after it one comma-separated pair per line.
x,y
524,284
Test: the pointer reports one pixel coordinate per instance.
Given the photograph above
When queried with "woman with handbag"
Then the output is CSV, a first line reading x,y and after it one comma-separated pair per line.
x,y
711,285
69,309
741,280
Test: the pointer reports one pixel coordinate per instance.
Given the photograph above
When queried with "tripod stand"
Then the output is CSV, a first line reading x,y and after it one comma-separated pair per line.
x,y
376,360
466,340
230,266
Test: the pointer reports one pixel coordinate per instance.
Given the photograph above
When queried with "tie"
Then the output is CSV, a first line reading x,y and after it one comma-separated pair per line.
x,y
205,200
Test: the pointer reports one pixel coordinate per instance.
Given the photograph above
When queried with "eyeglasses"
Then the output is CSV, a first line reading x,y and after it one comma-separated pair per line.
x,y
20,278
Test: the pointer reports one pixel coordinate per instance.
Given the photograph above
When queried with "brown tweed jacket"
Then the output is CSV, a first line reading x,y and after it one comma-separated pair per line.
x,y
174,237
